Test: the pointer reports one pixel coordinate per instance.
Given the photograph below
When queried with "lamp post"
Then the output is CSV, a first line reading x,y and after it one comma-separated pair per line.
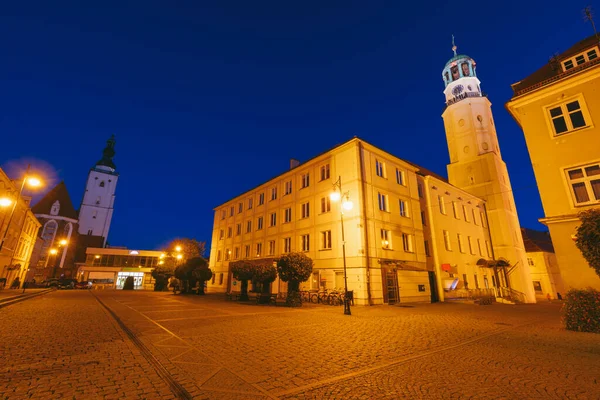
x,y
337,195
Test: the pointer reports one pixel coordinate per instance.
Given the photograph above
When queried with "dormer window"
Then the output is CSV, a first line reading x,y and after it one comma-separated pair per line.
x,y
580,59
55,208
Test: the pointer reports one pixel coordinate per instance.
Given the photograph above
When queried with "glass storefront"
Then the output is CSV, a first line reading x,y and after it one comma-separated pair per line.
x,y
138,279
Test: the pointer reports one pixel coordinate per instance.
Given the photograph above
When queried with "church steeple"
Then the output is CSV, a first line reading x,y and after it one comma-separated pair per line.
x,y
460,77
107,155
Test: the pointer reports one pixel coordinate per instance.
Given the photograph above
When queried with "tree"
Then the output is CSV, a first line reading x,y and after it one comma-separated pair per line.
x,y
264,275
294,268
172,258
588,238
199,271
243,272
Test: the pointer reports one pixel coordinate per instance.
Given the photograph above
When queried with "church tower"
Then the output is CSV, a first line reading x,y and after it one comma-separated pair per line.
x,y
476,166
98,201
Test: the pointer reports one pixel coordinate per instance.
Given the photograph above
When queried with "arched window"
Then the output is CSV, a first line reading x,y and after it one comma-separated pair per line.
x,y
48,235
55,208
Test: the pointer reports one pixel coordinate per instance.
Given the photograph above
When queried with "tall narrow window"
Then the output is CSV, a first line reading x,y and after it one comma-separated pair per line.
x,y
287,216
288,187
229,232
461,246
236,253
447,241
488,248
403,208
218,255
326,240
474,217
221,234
324,172
305,242
259,223
426,243
261,199
287,245
305,180
305,210
420,190
238,229
240,207
223,214
273,219
325,204
407,243
383,201
455,209
400,177
479,247
483,220
271,247
247,251
386,239
466,214
250,204
258,249
227,254
471,248
380,168
249,227
442,204
231,211
274,193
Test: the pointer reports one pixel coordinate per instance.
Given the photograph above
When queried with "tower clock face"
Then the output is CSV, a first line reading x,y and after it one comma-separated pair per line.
x,y
458,90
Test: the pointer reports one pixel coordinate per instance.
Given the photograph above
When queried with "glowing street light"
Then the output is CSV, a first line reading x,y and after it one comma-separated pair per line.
x,y
5,202
336,195
34,182
178,249
63,242
179,256
55,252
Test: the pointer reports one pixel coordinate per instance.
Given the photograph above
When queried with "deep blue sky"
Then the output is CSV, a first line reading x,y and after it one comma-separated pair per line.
x,y
209,99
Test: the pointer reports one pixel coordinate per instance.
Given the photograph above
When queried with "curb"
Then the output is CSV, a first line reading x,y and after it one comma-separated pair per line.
x,y
23,297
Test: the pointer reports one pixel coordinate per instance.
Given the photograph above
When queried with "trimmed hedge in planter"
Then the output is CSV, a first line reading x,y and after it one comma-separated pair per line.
x,y
581,311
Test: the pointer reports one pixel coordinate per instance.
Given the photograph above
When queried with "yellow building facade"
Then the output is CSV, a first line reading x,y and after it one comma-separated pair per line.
x,y
21,231
558,108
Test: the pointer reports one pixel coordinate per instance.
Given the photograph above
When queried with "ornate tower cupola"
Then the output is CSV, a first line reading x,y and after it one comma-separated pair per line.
x,y
460,78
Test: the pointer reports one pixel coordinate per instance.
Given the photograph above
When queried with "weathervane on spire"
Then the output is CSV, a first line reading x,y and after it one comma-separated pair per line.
x,y
453,46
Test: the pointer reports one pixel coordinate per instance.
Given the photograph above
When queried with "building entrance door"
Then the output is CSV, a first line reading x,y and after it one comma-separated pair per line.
x,y
393,293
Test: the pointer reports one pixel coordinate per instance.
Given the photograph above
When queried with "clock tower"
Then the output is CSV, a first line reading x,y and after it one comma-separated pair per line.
x,y
476,166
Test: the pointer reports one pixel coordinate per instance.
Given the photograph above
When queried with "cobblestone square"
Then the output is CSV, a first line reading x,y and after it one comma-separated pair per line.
x,y
145,345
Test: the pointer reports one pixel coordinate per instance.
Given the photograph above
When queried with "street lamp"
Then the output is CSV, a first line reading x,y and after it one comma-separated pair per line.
x,y
347,205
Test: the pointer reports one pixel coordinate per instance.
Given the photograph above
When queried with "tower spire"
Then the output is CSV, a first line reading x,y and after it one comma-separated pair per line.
x,y
454,46
108,153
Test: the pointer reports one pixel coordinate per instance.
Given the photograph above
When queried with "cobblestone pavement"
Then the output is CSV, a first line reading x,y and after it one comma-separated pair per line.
x,y
217,349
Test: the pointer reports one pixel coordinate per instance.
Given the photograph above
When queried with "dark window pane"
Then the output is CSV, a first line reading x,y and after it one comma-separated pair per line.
x,y
581,194
577,119
560,126
596,188
568,64
576,174
592,54
593,170
573,106
580,59
555,112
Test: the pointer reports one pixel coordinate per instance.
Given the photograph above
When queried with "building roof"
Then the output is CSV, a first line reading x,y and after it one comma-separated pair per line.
x,y
553,71
420,170
60,193
456,58
536,241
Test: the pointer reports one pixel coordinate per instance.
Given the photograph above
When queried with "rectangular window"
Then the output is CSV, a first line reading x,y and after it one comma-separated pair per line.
x,y
471,247
466,214
219,255
423,220
326,240
420,189
249,227
247,251
427,253
400,177
324,172
236,253
479,247
238,229
305,242
585,184
250,201
274,193
488,248
455,209
442,204
529,260
325,204
476,281
483,221
288,187
240,207
305,210
461,246
221,278
568,64
567,117
287,215
386,239
474,217
403,208
592,54
271,247
221,234
305,180
380,168
227,254
273,219
447,240
287,245
407,243
259,223
223,214
383,201
229,232
231,211
261,199
258,249
537,286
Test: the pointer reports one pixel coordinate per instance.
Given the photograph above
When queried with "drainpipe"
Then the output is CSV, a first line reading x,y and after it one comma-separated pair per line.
x,y
363,190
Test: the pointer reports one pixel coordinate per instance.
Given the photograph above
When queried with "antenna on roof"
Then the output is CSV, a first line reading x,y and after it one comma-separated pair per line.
x,y
589,16
454,46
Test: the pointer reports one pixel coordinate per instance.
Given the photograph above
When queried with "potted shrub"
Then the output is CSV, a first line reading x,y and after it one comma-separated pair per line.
x,y
294,268
265,275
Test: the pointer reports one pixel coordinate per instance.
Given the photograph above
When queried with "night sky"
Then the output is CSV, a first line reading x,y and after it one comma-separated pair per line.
x,y
210,99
